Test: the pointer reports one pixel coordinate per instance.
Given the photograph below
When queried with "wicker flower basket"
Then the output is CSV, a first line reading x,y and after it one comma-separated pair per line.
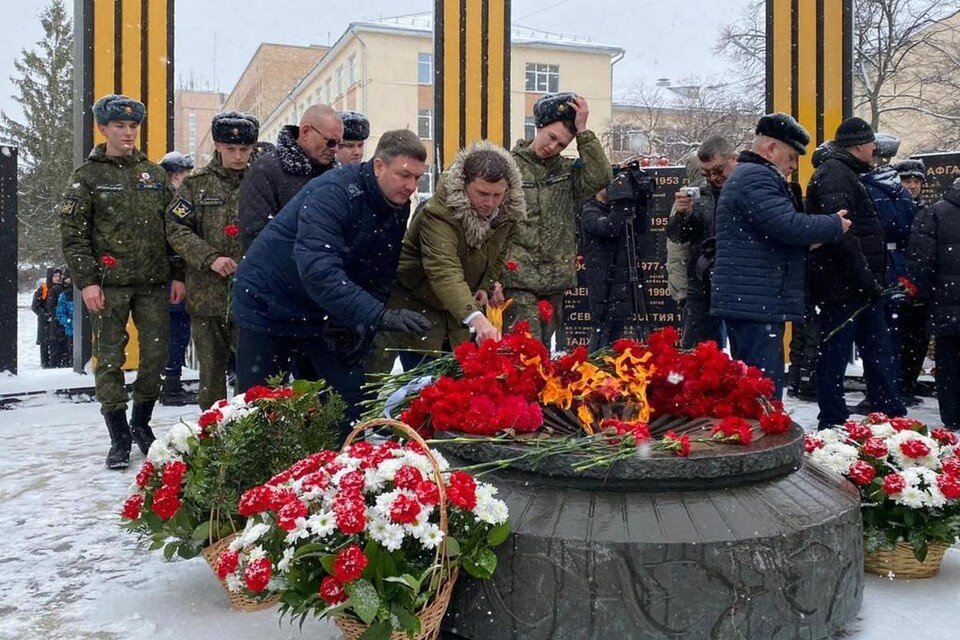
x,y
901,563
238,600
432,613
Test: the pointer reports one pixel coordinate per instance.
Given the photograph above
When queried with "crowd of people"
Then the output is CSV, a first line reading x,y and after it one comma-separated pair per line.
x,y
302,259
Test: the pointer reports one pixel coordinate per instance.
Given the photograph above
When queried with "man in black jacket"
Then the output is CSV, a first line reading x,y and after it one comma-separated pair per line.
x,y
934,262
847,276
302,153
691,221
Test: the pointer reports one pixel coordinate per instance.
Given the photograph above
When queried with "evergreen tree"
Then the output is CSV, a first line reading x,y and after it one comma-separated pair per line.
x,y
45,137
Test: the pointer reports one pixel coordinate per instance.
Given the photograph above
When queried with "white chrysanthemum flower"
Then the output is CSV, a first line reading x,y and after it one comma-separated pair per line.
x,y
285,559
675,378
160,453
252,533
910,497
299,531
900,459
491,511
256,553
882,430
430,536
373,480
485,490
830,436
179,434
234,583
322,524
392,538
388,468
835,456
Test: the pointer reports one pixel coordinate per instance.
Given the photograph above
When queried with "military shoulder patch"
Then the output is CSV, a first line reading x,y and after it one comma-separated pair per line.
x,y
68,206
181,208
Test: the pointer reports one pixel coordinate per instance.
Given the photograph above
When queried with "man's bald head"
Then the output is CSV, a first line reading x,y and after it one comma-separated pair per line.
x,y
321,132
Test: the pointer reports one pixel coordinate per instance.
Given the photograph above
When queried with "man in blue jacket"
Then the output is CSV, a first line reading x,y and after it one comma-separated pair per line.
x,y
314,282
762,240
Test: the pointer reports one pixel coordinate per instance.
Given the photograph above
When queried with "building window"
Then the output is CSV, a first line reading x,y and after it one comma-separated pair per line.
x,y
425,185
543,78
192,134
327,90
425,123
352,70
425,68
529,128
340,80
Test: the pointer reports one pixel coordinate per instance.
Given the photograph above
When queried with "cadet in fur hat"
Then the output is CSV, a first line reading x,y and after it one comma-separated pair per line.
x,y
114,241
203,229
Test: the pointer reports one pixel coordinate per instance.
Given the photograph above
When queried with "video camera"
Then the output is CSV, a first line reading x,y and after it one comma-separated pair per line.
x,y
630,182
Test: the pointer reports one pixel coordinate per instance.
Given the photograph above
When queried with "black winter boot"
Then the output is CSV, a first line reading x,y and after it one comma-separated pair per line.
x,y
119,456
140,425
174,395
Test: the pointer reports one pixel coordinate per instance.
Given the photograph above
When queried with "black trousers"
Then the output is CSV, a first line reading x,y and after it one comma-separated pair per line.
x,y
698,325
948,380
914,341
261,356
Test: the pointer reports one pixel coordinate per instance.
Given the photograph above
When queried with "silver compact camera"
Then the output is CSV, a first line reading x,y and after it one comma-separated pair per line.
x,y
691,192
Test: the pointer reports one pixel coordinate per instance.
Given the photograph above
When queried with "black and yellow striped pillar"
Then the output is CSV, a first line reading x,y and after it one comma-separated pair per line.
x,y
126,46
472,74
810,66
121,46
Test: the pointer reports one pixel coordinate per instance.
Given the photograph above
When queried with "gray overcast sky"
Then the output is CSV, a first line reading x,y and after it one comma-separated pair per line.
x,y
215,38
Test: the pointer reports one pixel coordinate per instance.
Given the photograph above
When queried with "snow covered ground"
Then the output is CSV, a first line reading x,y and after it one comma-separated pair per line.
x,y
70,572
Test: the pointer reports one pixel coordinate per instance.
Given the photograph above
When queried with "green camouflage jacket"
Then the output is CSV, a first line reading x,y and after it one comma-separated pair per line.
x,y
545,244
201,227
114,208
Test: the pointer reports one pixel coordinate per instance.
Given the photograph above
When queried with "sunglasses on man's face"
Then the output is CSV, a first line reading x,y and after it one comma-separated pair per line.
x,y
332,143
714,172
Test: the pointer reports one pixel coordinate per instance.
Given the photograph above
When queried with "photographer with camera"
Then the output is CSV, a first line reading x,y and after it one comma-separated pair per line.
x,y
610,224
691,221
544,248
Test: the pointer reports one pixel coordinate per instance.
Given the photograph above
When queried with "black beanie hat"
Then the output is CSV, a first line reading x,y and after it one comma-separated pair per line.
x,y
854,131
356,127
233,127
784,128
116,107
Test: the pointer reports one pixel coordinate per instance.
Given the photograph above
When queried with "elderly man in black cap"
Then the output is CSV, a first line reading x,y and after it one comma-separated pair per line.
x,y
849,276
356,130
913,173
544,248
762,240
114,240
202,228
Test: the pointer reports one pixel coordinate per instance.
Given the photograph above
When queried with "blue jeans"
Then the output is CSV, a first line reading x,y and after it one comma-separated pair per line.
x,y
869,331
759,344
179,339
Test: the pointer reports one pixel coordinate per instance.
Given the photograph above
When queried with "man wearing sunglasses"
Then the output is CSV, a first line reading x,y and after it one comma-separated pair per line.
x,y
302,153
691,221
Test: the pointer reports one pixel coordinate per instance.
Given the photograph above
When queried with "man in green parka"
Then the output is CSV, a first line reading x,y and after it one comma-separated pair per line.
x,y
114,241
202,227
544,250
455,249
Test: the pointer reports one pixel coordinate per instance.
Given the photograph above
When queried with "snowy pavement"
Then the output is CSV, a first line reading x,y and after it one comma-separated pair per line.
x,y
70,572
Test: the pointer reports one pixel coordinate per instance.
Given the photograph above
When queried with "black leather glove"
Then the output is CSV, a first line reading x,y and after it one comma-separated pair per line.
x,y
404,321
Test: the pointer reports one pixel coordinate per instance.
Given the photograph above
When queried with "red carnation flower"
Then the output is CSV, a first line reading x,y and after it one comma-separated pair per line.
x,y
331,591
173,473
428,493
209,418
350,521
231,231
108,261
166,502
906,424
949,486
404,509
951,466
257,574
145,473
915,448
545,309
259,392
349,564
907,285
512,265
944,437
227,563
132,507
353,480
861,473
679,445
857,431
775,422
894,484
463,490
288,514
875,448
408,477
255,500
733,429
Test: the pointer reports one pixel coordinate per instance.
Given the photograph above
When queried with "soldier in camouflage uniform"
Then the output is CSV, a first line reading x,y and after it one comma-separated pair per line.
x,y
114,242
545,247
202,228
